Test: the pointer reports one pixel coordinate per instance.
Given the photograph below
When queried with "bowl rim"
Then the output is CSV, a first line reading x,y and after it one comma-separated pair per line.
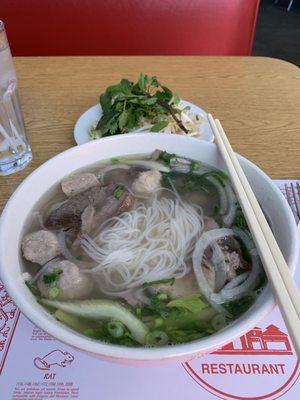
x,y
42,319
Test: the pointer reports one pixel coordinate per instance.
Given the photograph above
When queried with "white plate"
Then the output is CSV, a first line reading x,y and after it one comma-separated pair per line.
x,y
92,115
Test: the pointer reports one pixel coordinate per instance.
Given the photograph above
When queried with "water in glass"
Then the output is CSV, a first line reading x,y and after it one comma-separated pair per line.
x,y
15,152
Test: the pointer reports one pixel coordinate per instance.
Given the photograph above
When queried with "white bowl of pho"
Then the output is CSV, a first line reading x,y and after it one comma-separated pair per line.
x,y
134,248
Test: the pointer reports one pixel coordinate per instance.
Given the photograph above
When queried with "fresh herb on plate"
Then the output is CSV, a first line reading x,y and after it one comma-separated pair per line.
x,y
128,105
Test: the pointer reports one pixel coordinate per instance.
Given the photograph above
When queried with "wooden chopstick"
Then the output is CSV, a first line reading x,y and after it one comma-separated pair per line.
x,y
280,261
275,266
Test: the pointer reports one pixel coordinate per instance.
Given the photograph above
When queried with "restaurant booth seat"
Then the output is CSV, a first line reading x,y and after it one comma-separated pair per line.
x,y
129,27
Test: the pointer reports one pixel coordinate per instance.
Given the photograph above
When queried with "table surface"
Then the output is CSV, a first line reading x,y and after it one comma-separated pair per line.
x,y
256,98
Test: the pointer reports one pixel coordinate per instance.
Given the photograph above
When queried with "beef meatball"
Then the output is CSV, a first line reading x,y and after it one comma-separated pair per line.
x,y
67,279
40,246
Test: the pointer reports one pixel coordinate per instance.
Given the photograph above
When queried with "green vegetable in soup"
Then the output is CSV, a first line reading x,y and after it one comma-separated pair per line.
x,y
77,323
157,338
116,329
97,310
240,220
118,192
187,183
166,157
218,322
191,302
148,164
53,292
52,276
239,307
33,288
159,282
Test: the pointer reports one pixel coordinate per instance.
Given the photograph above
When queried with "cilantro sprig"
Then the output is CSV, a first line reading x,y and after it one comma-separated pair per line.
x,y
126,104
53,276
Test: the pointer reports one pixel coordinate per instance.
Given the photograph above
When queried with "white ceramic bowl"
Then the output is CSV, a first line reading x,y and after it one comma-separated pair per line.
x,y
53,171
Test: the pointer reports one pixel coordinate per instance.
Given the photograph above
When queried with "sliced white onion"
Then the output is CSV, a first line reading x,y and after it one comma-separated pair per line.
x,y
238,291
205,240
219,263
228,218
181,168
109,168
222,194
149,164
236,281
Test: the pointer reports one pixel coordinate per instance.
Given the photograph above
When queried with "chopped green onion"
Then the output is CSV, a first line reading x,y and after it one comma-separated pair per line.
x,y
162,296
159,282
218,322
33,288
53,276
215,212
53,292
90,332
138,311
118,192
116,329
158,322
157,338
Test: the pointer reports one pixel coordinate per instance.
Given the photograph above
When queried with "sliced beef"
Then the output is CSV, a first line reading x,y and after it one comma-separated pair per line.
x,y
87,218
122,176
232,246
77,183
113,207
68,215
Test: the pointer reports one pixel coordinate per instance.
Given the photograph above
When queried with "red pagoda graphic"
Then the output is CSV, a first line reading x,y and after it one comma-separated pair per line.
x,y
271,341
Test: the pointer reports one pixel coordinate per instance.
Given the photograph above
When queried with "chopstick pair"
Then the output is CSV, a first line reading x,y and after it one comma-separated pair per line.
x,y
279,275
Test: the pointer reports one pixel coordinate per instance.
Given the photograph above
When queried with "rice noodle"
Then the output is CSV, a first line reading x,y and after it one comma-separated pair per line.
x,y
61,236
145,244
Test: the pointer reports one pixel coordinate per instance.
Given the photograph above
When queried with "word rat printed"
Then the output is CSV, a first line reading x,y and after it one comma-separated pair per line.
x,y
55,357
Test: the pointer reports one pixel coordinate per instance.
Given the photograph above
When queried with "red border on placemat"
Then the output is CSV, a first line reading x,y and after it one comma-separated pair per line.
x,y
9,341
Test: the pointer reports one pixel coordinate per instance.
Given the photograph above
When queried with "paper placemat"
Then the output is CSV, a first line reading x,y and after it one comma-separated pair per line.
x,y
34,366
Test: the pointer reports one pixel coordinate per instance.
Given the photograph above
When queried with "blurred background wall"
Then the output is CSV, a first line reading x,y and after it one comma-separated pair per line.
x,y
153,27
278,30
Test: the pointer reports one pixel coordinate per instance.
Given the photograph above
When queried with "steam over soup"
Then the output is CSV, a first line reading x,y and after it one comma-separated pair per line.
x,y
143,252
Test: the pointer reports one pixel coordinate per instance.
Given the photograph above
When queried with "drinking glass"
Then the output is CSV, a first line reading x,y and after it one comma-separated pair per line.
x,y
15,152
